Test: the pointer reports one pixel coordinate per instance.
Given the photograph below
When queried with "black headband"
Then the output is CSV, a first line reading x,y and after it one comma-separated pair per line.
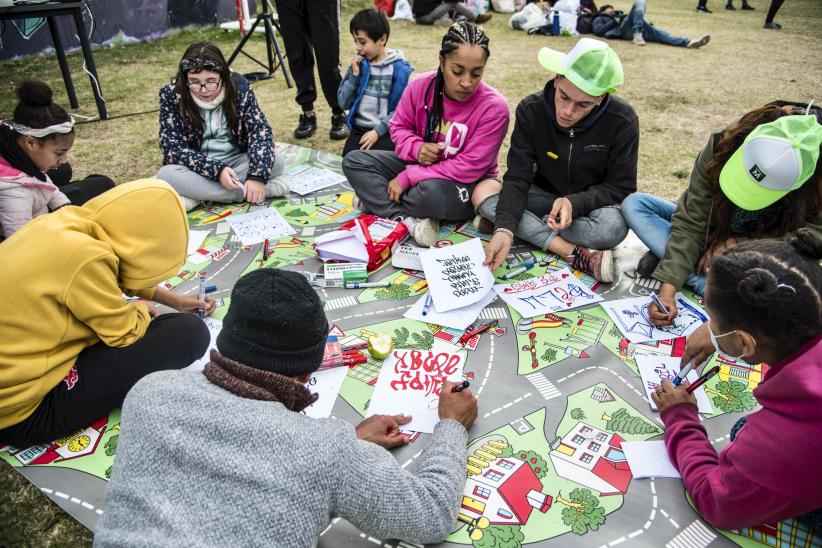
x,y
198,63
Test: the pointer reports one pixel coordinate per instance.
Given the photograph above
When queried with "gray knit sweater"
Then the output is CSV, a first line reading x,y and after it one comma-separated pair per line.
x,y
198,465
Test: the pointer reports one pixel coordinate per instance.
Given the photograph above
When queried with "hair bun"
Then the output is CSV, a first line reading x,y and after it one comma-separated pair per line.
x,y
35,93
757,287
806,243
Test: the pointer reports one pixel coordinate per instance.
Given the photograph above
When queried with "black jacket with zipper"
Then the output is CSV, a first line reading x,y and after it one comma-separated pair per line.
x,y
593,164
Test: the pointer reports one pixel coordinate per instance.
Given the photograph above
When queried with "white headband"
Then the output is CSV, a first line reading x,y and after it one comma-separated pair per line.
x,y
65,127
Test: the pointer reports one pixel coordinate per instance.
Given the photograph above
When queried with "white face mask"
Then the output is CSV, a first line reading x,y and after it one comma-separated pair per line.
x,y
719,351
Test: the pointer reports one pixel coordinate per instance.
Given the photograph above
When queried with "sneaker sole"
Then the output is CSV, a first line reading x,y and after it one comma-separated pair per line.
x,y
306,135
427,233
606,267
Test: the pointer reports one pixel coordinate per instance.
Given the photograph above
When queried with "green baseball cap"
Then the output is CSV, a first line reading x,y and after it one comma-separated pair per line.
x,y
775,158
591,65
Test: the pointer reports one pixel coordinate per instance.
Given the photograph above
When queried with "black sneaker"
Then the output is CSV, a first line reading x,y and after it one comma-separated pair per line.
x,y
703,9
730,6
646,265
339,129
748,7
307,126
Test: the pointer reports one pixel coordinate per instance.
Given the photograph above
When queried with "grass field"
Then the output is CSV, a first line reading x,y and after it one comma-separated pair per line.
x,y
681,96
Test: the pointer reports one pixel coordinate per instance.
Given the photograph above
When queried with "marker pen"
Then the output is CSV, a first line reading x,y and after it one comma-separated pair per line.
x,y
364,285
201,297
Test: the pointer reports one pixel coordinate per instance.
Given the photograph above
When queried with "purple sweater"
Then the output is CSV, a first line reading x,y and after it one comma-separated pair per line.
x,y
773,469
473,133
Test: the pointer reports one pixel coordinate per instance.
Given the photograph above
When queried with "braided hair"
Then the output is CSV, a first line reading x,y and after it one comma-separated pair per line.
x,y
770,289
457,35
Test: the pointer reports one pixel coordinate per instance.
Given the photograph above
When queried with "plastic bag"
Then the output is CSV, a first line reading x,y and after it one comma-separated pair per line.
x,y
503,6
531,17
402,11
569,6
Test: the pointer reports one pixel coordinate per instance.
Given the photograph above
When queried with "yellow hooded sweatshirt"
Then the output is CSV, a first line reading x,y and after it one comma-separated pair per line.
x,y
62,279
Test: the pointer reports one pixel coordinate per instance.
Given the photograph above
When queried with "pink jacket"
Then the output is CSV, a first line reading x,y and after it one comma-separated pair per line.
x,y
773,469
473,133
23,197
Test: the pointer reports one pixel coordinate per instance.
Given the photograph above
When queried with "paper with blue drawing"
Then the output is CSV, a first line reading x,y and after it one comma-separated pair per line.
x,y
551,292
456,276
653,369
631,318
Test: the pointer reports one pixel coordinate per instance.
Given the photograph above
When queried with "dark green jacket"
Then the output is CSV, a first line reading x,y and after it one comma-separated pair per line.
x,y
691,221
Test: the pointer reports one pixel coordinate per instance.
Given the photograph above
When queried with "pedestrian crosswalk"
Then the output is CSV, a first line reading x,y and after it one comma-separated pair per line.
x,y
696,535
543,386
342,302
498,313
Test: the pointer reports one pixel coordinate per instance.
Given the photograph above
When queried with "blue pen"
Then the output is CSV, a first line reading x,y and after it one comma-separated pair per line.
x,y
517,271
662,308
682,374
210,288
427,304
201,297
526,262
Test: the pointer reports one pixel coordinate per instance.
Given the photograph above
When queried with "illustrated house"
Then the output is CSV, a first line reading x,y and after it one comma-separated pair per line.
x,y
748,375
790,532
592,458
503,490
672,347
76,445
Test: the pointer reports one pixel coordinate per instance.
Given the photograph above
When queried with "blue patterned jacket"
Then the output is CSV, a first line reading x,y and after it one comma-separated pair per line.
x,y
180,139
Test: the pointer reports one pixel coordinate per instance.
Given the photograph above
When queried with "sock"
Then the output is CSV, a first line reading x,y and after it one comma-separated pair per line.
x,y
189,203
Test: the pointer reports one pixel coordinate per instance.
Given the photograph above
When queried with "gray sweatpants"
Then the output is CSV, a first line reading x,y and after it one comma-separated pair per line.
x,y
195,186
370,171
602,228
442,10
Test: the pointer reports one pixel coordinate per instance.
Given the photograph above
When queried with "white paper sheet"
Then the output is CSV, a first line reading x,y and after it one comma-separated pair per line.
x,y
410,382
456,276
649,459
257,226
327,384
551,292
195,240
308,179
653,369
631,318
459,318
214,328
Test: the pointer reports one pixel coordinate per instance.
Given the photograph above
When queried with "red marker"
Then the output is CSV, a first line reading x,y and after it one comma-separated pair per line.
x,y
471,332
355,346
351,360
703,379
265,250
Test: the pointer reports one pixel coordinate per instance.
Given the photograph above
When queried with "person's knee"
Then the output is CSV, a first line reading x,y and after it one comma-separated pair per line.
x,y
355,160
278,167
170,173
484,189
632,205
611,228
193,333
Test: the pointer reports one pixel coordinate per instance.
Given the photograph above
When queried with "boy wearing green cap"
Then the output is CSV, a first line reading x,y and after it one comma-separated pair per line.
x,y
758,178
573,157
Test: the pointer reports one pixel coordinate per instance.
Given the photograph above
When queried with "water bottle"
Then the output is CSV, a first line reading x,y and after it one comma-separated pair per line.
x,y
554,23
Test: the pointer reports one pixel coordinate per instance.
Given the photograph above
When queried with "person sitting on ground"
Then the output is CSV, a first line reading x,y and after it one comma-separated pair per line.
x,y
610,23
572,160
33,145
428,12
759,178
373,84
448,129
72,345
216,142
764,298
294,473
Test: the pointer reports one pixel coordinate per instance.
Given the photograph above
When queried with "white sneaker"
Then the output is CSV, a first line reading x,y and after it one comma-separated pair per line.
x,y
638,39
276,187
694,44
189,203
356,203
424,231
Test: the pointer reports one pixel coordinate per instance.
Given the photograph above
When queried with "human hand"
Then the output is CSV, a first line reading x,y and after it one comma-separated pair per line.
x,y
497,249
254,191
395,190
429,153
368,139
228,177
355,64
667,395
152,309
667,296
384,430
698,347
561,215
702,265
460,406
189,304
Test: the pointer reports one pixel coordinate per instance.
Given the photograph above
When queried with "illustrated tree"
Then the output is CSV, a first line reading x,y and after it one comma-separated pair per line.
x,y
549,355
535,461
422,341
108,472
732,397
615,332
394,292
622,421
296,213
111,445
280,203
500,536
578,414
583,513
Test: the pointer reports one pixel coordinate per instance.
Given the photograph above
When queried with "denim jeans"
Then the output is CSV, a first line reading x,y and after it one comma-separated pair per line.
x,y
650,219
602,228
634,23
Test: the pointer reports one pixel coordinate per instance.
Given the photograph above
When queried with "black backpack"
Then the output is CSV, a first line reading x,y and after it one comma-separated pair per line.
x,y
585,24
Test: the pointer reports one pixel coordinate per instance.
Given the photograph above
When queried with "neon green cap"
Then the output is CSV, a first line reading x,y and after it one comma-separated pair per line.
x,y
591,65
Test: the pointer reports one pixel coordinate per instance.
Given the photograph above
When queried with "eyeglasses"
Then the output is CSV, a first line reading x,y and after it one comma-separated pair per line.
x,y
198,63
211,85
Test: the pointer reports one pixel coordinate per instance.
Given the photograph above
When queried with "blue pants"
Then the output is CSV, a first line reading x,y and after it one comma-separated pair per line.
x,y
634,23
650,219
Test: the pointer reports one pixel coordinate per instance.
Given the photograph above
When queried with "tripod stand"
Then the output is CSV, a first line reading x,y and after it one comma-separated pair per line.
x,y
272,48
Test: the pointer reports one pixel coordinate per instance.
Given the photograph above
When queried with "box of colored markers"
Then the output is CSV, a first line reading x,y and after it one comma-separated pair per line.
x,y
340,274
368,239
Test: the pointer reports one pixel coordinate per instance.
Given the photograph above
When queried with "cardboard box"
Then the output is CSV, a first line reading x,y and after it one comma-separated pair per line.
x,y
367,239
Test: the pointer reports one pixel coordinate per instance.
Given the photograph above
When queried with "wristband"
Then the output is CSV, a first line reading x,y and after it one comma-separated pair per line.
x,y
504,231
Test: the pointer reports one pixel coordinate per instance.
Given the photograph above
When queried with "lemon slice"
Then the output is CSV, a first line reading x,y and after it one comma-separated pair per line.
x,y
380,346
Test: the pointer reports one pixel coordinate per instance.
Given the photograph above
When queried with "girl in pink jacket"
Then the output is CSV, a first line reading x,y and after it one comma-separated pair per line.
x,y
448,129
764,298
